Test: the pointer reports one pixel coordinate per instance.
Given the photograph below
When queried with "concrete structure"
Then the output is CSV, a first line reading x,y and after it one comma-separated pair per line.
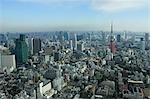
x,y
142,44
46,90
58,83
133,93
71,44
2,48
0,60
61,39
46,58
49,50
30,42
107,89
3,39
66,35
134,90
118,38
80,46
146,40
8,62
75,42
104,38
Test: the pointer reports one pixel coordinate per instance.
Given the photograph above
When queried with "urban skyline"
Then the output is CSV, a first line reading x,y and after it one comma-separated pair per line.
x,y
74,49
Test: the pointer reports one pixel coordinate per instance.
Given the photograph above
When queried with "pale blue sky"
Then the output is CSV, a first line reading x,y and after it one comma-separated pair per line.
x,y
47,15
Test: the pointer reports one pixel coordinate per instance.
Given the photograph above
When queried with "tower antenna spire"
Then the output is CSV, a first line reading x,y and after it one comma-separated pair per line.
x,y
111,28
112,40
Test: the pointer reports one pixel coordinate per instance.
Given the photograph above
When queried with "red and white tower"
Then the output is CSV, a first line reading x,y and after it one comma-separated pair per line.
x,y
112,41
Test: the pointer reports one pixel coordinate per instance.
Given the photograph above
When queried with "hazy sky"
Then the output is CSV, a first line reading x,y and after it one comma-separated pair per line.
x,y
47,15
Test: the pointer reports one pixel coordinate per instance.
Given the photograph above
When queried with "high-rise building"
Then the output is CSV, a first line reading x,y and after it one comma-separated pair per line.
x,y
54,37
66,36
146,40
36,45
118,38
80,37
60,36
61,39
30,42
133,38
0,60
80,46
90,37
70,45
112,41
74,42
104,37
21,50
142,44
125,35
7,62
4,39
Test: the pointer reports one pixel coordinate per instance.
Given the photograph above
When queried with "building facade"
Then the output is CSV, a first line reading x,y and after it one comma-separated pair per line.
x,y
36,45
146,40
21,50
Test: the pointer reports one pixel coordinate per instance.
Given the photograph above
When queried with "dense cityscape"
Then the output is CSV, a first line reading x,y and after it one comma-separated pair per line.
x,y
74,49
75,65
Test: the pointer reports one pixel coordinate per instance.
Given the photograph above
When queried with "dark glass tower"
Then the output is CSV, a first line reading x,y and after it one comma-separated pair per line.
x,y
118,38
146,40
21,50
36,45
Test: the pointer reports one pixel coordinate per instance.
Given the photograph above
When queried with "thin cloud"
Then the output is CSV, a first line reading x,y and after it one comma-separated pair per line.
x,y
100,5
118,5
54,1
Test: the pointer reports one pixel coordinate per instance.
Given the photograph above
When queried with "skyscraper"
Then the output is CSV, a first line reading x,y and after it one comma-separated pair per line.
x,y
70,45
75,42
30,42
142,44
36,45
80,37
118,38
125,35
0,59
21,50
112,41
104,37
80,46
61,39
146,40
66,36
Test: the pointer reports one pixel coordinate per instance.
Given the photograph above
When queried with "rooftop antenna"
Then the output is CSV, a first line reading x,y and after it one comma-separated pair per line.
x,y
111,28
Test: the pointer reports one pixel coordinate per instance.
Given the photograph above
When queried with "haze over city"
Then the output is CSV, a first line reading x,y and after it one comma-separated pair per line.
x,y
74,49
74,15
